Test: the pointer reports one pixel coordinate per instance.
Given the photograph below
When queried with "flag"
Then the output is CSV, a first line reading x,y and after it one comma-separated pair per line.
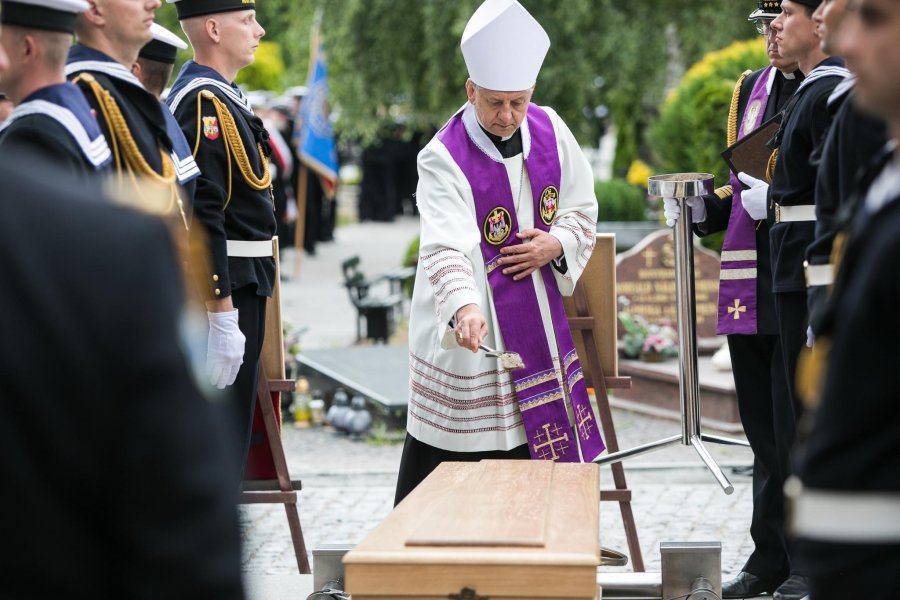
x,y
315,137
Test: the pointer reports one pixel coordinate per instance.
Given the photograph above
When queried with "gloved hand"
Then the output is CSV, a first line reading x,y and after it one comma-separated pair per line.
x,y
810,337
756,197
225,348
672,211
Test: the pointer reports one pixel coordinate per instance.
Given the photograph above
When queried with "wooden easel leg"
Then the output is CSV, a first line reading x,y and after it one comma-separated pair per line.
x,y
284,479
621,493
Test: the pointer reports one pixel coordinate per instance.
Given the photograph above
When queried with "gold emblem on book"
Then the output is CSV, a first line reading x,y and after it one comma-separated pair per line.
x,y
750,116
497,226
549,204
553,448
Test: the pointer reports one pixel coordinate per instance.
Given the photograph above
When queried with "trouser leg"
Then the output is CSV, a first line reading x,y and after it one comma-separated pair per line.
x,y
756,363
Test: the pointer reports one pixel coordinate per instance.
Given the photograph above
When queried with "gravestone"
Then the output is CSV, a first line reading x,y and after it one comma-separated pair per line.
x,y
645,275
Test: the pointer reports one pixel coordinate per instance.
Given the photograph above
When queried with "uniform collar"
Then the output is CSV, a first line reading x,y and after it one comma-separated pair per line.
x,y
65,103
81,58
191,72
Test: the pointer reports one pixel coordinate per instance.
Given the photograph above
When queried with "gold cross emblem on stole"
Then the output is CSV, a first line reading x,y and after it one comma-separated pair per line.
x,y
541,449
584,421
737,309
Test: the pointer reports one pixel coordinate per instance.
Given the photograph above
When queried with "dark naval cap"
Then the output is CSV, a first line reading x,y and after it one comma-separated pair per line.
x,y
810,3
49,15
196,8
163,47
766,9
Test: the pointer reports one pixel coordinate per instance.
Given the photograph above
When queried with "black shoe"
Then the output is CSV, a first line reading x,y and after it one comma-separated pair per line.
x,y
745,585
796,587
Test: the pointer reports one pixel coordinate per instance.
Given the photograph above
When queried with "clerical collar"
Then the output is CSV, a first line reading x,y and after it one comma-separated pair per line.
x,y
509,147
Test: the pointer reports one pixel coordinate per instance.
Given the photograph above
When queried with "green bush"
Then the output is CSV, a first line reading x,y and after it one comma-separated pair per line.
x,y
267,70
411,259
618,200
692,127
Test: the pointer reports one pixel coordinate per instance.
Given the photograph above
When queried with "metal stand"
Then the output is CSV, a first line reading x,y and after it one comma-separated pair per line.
x,y
682,186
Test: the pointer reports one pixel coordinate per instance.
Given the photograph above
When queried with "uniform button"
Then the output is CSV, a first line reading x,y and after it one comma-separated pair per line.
x,y
215,277
218,292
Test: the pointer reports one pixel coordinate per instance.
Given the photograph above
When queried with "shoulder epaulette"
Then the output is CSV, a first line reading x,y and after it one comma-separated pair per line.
x,y
234,145
731,136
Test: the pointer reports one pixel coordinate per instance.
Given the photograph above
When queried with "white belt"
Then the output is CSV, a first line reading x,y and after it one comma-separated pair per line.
x,y
818,274
854,517
249,249
801,212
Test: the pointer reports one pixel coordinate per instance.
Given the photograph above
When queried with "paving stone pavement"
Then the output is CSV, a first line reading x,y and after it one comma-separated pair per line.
x,y
348,489
348,486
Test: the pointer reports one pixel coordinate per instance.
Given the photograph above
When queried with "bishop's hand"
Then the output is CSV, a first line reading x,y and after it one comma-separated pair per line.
x,y
537,249
471,327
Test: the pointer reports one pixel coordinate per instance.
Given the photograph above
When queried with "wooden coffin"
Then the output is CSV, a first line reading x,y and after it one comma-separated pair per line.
x,y
494,529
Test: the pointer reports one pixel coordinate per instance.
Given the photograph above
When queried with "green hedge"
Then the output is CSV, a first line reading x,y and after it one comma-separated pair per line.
x,y
692,127
618,200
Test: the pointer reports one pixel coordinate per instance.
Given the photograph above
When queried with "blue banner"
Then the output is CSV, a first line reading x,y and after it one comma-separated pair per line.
x,y
315,136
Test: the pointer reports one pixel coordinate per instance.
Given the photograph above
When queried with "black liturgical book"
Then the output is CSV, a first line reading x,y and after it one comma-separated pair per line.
x,y
750,154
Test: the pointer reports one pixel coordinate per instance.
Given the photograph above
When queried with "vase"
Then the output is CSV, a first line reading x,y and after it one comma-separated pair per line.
x,y
652,356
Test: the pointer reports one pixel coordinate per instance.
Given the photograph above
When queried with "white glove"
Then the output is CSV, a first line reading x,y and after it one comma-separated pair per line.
x,y
672,211
810,337
755,198
225,349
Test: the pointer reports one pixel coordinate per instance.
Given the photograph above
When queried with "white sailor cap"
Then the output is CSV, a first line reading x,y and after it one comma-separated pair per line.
x,y
504,46
163,47
50,15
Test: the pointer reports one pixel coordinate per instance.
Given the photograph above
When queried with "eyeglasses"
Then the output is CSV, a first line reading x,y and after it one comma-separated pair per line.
x,y
763,26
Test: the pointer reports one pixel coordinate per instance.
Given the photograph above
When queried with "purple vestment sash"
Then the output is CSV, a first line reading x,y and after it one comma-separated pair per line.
x,y
737,274
541,398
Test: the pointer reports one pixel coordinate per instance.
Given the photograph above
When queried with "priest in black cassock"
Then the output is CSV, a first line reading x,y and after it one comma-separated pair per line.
x,y
752,328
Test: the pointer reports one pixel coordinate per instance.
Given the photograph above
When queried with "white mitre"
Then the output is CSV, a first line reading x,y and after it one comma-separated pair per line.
x,y
504,46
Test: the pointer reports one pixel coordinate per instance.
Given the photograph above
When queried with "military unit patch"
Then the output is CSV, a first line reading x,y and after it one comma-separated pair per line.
x,y
497,226
549,204
211,128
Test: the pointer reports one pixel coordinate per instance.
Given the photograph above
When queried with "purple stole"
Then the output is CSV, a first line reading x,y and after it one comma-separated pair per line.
x,y
540,397
737,274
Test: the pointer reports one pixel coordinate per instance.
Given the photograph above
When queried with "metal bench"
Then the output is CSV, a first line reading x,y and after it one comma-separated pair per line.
x,y
378,310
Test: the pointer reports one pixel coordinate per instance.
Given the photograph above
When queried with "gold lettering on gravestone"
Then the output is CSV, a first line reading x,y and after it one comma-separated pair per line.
x,y
645,275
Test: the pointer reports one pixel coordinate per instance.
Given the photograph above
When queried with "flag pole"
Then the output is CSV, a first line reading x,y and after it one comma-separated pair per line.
x,y
303,173
300,222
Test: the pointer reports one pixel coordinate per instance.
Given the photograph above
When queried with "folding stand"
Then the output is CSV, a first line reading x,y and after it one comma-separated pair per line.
x,y
271,383
682,186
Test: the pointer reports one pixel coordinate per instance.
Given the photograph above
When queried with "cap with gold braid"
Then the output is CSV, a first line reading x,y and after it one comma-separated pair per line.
x,y
163,47
765,9
196,8
49,15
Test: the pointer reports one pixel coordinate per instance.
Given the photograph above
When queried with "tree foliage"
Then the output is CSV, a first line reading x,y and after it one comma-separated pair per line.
x,y
400,59
691,130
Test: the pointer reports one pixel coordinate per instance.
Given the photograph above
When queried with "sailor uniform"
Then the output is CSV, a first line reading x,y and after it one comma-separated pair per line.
x,y
756,360
135,125
56,122
803,128
234,202
850,461
854,138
